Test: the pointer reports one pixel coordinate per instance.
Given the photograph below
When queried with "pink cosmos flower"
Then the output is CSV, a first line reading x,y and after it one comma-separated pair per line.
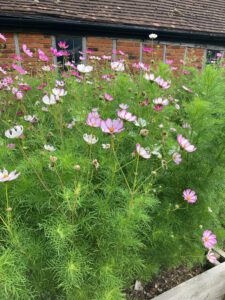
x,y
143,152
147,50
162,83
186,72
2,37
177,158
17,57
125,115
63,53
89,51
6,176
24,87
211,257
108,97
19,69
185,144
27,51
190,196
11,146
169,61
63,45
106,57
112,126
42,56
219,55
209,239
94,119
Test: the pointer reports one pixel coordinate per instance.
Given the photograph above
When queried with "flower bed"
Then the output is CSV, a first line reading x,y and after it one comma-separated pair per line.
x,y
119,172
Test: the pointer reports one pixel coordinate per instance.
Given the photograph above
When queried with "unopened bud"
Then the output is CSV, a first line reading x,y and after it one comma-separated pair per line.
x,y
96,164
144,132
77,167
53,159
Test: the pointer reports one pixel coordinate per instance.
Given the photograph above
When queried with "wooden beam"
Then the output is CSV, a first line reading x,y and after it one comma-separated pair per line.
x,y
209,285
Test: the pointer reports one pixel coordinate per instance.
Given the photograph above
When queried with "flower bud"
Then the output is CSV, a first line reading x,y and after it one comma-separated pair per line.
x,y
77,167
144,132
53,159
96,164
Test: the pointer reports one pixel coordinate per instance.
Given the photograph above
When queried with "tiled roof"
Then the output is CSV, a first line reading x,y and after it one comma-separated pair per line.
x,y
188,15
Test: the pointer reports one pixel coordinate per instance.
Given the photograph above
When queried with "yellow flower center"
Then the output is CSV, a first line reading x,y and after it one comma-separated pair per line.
x,y
188,198
111,129
5,176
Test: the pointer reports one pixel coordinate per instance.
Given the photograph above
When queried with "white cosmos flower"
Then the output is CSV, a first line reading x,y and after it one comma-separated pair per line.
x,y
6,176
150,76
14,132
177,106
46,68
31,119
160,101
140,122
123,106
105,146
59,83
49,100
143,152
117,66
90,139
59,92
49,148
84,69
153,36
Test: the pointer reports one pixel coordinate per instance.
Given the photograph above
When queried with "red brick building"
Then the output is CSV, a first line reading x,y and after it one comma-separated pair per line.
x,y
185,29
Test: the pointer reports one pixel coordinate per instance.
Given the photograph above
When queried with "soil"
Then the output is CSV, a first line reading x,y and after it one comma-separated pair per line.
x,y
164,281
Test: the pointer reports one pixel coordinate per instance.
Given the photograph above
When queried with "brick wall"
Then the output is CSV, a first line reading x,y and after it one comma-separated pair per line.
x,y
101,46
7,50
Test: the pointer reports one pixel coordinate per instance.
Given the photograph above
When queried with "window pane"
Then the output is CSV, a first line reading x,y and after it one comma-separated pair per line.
x,y
212,56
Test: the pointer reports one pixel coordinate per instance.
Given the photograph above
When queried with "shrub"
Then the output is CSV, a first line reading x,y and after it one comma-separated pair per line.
x,y
95,207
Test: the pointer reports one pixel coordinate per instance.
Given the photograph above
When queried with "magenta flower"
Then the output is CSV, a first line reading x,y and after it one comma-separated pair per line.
x,y
27,51
108,97
219,55
2,37
63,45
147,50
125,115
190,196
19,69
42,56
94,119
185,144
209,239
17,57
143,152
112,126
169,61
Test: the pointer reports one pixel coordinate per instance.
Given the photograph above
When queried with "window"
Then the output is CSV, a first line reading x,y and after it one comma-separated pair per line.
x,y
213,55
75,45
